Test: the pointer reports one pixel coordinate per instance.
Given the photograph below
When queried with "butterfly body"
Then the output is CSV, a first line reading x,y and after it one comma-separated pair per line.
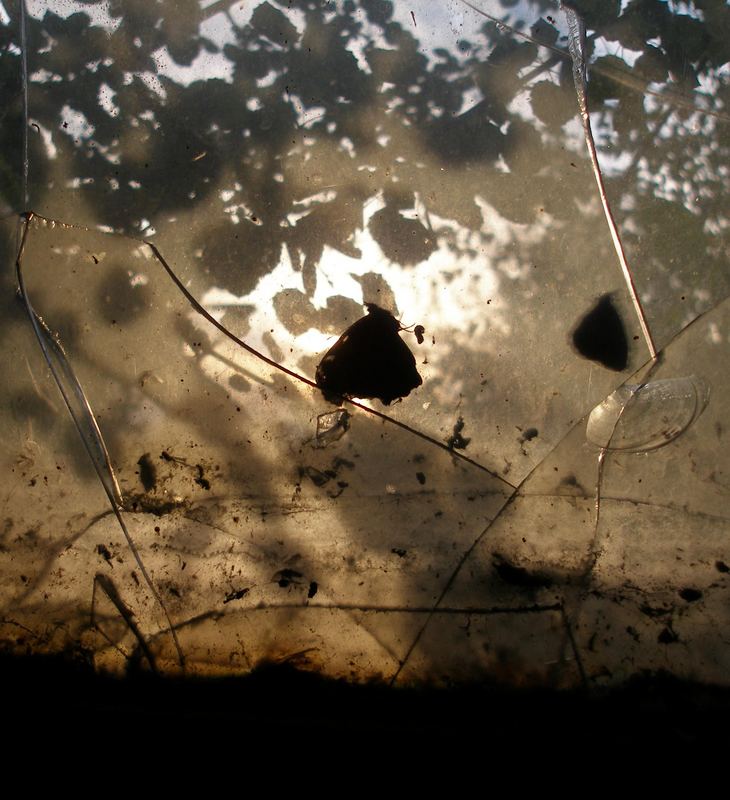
x,y
369,360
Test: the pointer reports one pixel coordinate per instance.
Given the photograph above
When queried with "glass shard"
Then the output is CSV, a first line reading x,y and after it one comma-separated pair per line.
x,y
331,426
223,194
637,418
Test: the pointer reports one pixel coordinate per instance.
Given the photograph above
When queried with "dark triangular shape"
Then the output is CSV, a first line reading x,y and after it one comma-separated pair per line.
x,y
601,336
369,360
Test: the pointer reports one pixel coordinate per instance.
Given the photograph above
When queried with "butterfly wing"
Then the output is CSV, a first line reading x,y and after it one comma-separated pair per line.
x,y
394,374
338,373
369,360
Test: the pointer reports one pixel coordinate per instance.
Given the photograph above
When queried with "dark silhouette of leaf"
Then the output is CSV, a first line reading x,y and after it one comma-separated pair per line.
x,y
600,336
405,241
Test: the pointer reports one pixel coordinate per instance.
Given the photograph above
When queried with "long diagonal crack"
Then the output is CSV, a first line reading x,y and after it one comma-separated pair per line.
x,y
576,41
297,376
87,427
200,309
437,607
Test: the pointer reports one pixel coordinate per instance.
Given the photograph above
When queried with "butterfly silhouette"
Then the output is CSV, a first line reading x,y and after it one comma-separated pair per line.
x,y
369,360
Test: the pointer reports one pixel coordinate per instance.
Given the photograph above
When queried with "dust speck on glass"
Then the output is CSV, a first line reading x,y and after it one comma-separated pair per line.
x,y
494,233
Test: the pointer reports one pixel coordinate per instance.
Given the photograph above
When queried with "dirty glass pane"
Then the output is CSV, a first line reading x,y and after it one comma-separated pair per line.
x,y
218,190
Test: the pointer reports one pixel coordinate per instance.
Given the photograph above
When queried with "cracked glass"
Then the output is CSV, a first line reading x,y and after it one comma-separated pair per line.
x,y
201,199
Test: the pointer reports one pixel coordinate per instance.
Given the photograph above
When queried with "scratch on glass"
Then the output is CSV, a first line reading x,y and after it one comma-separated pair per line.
x,y
85,422
576,42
